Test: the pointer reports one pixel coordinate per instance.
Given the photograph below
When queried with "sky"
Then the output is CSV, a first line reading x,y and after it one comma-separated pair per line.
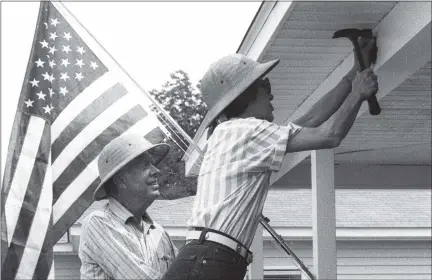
x,y
150,40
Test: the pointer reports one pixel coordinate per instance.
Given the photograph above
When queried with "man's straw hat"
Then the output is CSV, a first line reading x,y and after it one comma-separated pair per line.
x,y
121,151
226,79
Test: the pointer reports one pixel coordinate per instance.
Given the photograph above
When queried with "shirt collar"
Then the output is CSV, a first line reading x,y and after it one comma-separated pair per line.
x,y
123,214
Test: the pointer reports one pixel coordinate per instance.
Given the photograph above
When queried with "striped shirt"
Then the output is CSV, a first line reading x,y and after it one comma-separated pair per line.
x,y
235,174
115,246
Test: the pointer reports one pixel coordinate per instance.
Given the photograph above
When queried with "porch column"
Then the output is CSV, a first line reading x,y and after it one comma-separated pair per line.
x,y
256,269
323,215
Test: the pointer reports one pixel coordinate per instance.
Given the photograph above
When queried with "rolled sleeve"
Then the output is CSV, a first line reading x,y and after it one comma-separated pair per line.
x,y
285,134
267,146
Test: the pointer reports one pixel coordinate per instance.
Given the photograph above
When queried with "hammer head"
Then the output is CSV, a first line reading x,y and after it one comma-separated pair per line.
x,y
353,33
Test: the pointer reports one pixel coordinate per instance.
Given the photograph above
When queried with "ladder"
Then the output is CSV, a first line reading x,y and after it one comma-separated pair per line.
x,y
303,268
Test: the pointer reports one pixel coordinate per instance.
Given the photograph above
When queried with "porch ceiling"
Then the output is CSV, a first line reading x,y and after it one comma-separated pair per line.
x,y
307,52
309,55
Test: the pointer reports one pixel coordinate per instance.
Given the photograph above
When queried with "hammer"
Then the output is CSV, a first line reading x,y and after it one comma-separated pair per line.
x,y
353,34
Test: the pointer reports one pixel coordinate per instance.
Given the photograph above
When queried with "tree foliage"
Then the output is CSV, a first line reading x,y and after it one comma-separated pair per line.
x,y
184,103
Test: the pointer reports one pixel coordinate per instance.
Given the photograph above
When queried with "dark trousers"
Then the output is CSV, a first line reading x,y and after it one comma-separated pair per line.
x,y
206,260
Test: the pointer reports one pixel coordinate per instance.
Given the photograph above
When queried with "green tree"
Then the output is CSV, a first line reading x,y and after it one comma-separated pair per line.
x,y
184,103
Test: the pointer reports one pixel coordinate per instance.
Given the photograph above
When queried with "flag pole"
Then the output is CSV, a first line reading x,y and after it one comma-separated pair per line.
x,y
155,103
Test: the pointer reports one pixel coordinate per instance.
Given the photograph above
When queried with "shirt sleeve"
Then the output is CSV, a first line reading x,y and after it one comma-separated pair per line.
x,y
107,252
267,145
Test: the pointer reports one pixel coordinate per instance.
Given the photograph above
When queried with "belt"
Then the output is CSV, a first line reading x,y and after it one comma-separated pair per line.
x,y
221,239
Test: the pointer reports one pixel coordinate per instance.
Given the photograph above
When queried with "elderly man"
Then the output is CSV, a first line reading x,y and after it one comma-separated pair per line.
x,y
121,241
244,148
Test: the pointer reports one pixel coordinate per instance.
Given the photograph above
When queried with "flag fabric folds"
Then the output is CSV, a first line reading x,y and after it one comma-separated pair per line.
x,y
74,100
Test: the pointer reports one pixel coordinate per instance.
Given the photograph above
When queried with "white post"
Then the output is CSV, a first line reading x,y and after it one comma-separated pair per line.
x,y
256,268
324,215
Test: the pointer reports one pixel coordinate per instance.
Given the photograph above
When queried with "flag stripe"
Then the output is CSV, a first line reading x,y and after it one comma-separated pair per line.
x,y
85,178
89,153
46,256
75,189
75,211
90,133
79,103
38,230
19,129
85,117
30,204
51,273
23,172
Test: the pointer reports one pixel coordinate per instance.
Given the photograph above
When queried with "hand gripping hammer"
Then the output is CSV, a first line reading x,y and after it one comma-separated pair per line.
x,y
353,34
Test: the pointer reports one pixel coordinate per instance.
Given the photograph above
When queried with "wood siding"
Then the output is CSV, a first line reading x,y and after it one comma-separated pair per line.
x,y
356,259
67,267
363,259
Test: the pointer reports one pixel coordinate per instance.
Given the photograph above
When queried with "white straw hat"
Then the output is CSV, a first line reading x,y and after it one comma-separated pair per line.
x,y
226,79
121,151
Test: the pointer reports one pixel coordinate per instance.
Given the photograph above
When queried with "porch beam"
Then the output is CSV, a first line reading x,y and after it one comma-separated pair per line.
x,y
323,215
404,46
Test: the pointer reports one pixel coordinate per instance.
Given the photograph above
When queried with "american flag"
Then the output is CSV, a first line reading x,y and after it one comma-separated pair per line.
x,y
74,100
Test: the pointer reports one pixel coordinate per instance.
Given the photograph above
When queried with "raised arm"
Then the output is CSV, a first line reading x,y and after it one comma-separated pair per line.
x,y
322,110
333,131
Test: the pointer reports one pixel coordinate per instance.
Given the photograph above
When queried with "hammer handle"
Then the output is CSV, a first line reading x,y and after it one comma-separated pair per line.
x,y
374,107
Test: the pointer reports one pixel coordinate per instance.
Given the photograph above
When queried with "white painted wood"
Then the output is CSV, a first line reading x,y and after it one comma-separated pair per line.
x,y
255,27
323,214
309,77
269,29
364,260
305,34
287,54
345,7
301,69
324,16
403,39
256,268
67,267
319,25
310,49
312,42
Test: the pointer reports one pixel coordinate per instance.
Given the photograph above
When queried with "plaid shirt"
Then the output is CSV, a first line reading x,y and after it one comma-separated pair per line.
x,y
235,175
115,246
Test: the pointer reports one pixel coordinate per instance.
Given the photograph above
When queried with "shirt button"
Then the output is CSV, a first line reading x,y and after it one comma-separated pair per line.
x,y
204,261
